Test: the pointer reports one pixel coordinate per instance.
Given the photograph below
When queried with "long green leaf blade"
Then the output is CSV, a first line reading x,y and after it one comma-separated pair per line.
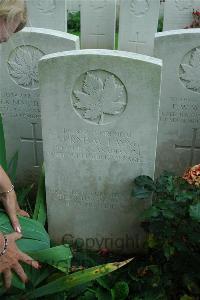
x,y
40,206
70,281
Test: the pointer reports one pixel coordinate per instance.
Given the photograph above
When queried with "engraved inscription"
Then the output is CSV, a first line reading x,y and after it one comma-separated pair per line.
x,y
192,147
183,4
88,199
96,145
181,110
190,70
99,97
23,66
98,5
46,6
139,7
23,105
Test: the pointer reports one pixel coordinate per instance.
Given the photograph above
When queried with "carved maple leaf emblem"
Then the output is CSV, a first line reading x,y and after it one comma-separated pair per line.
x,y
139,7
191,72
98,98
23,66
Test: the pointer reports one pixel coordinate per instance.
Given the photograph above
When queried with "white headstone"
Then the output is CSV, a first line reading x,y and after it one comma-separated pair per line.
x,y
20,104
51,14
178,13
98,18
138,25
99,134
73,5
179,126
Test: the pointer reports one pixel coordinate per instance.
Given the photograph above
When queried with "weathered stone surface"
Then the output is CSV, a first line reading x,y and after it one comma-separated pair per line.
x,y
178,13
20,104
50,14
179,126
98,18
138,25
99,129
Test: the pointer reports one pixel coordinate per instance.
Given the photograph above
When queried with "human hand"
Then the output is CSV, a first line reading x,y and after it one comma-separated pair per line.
x,y
10,259
9,201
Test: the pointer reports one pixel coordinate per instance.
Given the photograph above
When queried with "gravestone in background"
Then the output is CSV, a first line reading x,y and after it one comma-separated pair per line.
x,y
138,25
51,14
179,126
20,104
99,127
178,13
98,18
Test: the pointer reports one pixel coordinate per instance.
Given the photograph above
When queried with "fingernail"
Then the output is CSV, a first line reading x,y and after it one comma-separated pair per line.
x,y
18,229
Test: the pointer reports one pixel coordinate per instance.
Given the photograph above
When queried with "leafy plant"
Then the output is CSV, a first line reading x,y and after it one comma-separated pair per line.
x,y
169,267
73,22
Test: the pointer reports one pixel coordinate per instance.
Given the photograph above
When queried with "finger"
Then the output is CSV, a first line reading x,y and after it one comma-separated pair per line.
x,y
23,213
20,211
7,278
20,272
15,236
29,260
11,211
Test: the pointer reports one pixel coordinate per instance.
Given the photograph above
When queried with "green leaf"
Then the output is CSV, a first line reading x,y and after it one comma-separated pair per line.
x,y
143,187
58,257
40,206
186,297
12,167
34,235
120,291
168,250
195,212
70,281
3,162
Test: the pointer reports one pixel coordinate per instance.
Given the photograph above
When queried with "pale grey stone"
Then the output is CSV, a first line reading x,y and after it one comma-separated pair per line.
x,y
50,14
98,18
99,128
20,104
138,25
179,126
178,13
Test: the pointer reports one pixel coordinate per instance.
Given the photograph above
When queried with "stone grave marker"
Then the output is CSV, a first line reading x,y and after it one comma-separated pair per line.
x,y
178,13
138,25
20,104
99,134
50,14
98,18
179,126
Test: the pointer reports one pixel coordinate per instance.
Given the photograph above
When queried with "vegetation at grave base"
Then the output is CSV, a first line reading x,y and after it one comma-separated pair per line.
x,y
169,269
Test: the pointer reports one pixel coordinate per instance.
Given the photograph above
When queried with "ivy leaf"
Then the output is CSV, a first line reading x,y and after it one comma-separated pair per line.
x,y
143,187
168,250
195,212
120,291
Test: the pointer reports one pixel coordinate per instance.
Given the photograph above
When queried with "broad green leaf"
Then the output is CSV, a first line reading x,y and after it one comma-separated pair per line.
x,y
3,162
143,187
58,257
40,206
70,281
195,212
120,291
